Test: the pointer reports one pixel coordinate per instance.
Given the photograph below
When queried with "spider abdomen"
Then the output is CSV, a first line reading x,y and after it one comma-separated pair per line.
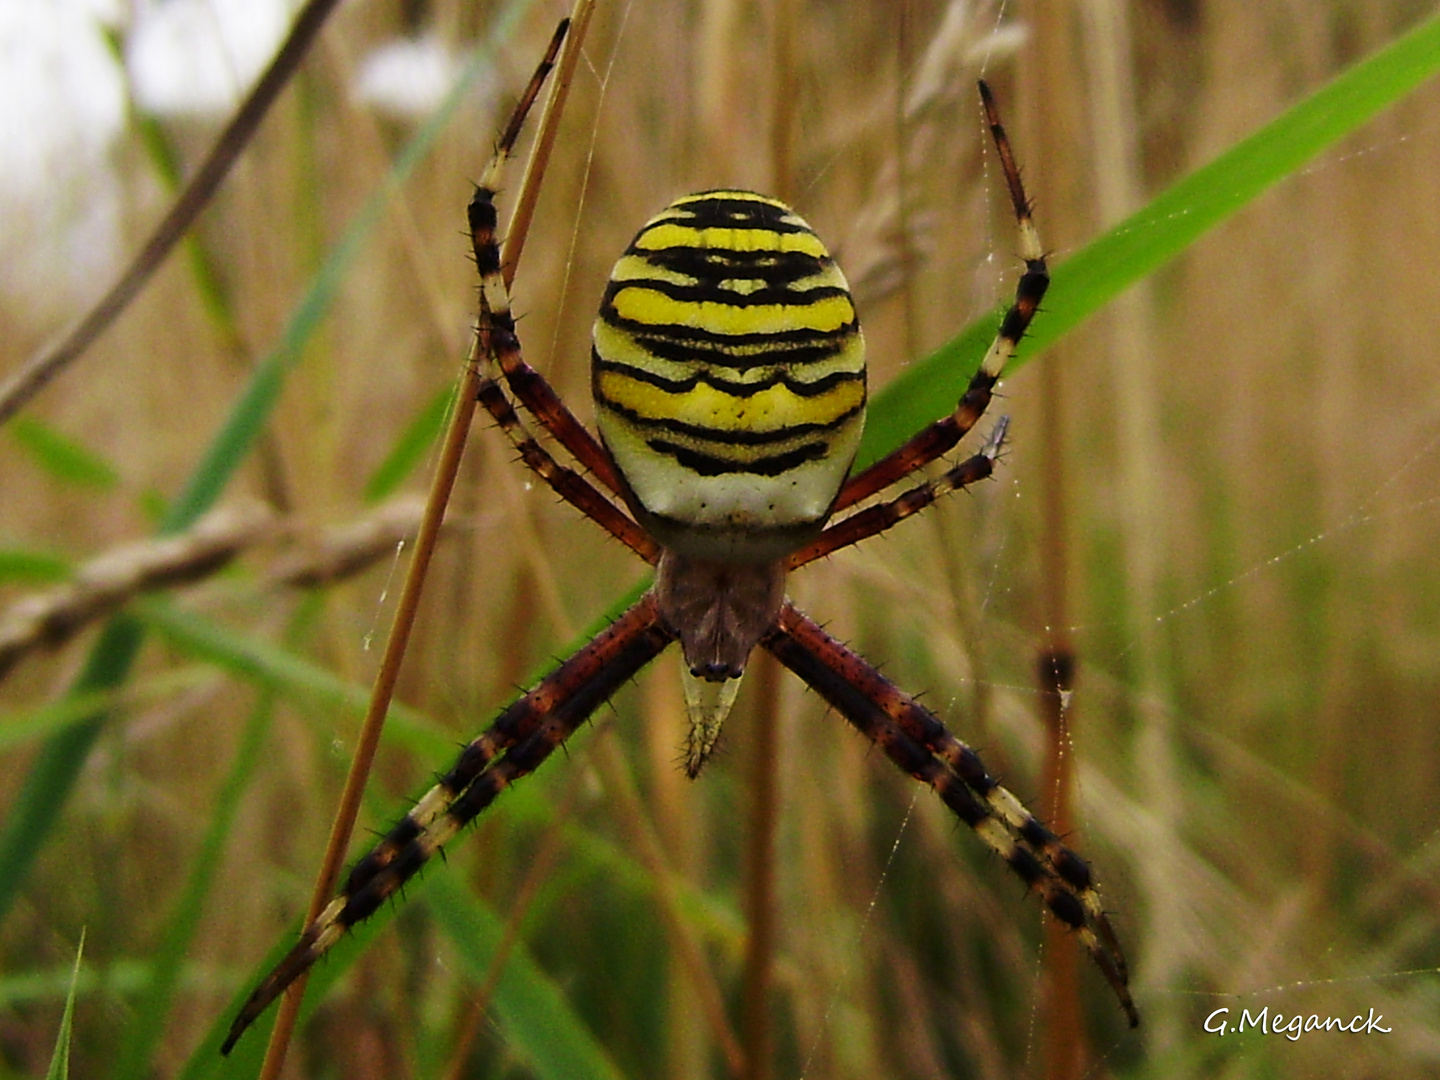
x,y
729,376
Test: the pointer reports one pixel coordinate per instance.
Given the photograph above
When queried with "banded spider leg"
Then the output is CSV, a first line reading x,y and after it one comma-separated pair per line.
x,y
531,728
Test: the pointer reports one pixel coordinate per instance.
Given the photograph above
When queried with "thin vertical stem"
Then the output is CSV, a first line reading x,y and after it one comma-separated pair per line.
x,y
645,843
408,605
1065,1049
535,875
679,827
1130,342
782,113
1052,151
757,1026
763,783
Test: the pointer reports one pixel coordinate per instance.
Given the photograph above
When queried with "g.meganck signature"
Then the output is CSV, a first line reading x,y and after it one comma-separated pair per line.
x,y
1217,1024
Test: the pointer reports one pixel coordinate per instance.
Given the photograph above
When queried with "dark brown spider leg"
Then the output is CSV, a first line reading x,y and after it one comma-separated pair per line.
x,y
915,740
924,727
526,733
497,344
528,385
496,341
940,437
567,483
878,518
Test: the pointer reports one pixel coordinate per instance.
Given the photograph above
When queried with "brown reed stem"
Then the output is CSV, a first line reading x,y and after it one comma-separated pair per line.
x,y
1052,97
535,875
757,1027
446,471
763,780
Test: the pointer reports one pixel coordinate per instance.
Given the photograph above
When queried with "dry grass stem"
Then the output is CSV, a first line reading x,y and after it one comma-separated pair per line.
x,y
103,584
314,558
396,644
40,369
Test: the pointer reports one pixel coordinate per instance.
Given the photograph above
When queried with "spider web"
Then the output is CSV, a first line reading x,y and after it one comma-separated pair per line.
x,y
1254,727
1236,711
1318,584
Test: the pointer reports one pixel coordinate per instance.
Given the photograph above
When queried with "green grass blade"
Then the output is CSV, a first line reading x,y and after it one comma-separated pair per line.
x,y
48,985
246,421
22,566
62,457
47,787
60,1059
534,1017
232,445
410,449
22,726
289,674
52,775
165,159
244,1060
152,1010
273,667
1086,282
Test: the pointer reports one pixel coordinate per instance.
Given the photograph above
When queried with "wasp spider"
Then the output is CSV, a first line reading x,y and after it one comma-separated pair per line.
x,y
728,373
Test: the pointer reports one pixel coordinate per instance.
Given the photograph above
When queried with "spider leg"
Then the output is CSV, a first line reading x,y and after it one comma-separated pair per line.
x,y
878,518
915,740
528,385
513,747
496,344
940,437
567,483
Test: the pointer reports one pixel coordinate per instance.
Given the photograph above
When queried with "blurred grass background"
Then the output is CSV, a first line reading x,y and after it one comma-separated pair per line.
x,y
1249,476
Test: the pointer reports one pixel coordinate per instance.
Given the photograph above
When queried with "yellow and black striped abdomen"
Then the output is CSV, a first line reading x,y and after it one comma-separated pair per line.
x,y
729,376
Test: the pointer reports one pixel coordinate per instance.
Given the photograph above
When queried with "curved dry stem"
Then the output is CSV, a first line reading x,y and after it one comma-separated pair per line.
x,y
50,618
106,583
52,359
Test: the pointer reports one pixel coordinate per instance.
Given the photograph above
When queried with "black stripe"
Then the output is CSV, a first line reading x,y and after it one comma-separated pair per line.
x,y
729,262
699,337
742,390
712,292
684,345
711,263
724,437
705,465
723,213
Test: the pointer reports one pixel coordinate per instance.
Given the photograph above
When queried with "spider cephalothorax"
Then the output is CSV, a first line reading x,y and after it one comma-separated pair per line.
x,y
729,381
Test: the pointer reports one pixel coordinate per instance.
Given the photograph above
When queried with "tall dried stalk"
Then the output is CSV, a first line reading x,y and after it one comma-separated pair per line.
x,y
1051,150
446,470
